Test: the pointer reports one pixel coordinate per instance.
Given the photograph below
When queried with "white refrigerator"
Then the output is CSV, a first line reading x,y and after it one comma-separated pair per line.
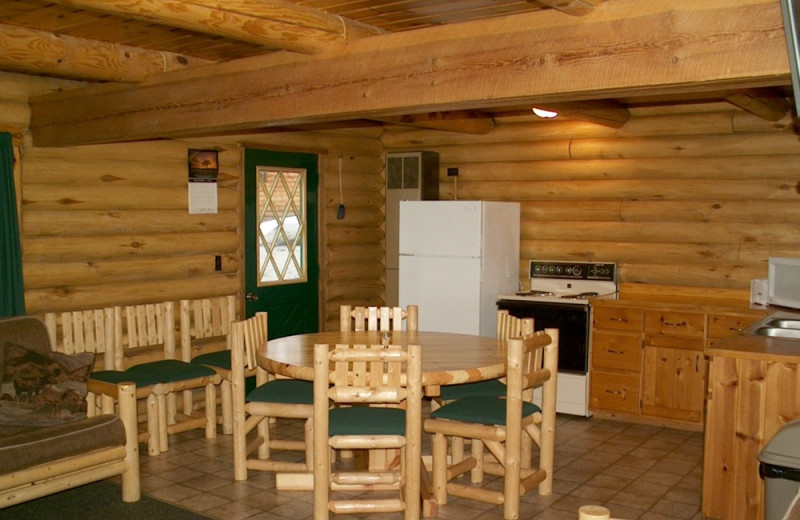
x,y
456,257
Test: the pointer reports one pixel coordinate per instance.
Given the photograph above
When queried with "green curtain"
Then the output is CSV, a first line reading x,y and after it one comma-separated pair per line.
x,y
12,296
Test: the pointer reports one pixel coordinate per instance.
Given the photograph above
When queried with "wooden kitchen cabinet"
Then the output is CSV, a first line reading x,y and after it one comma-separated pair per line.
x,y
674,367
753,391
673,383
722,325
648,362
614,382
616,354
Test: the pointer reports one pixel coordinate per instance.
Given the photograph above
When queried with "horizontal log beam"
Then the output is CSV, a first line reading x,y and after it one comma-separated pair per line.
x,y
56,273
272,23
774,235
601,112
68,298
697,210
461,121
77,249
38,196
649,47
82,222
649,189
733,167
38,52
766,103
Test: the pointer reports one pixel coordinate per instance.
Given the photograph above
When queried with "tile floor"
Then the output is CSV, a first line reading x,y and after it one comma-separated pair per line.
x,y
638,472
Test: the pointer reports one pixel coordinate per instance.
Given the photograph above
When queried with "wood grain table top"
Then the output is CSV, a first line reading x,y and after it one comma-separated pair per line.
x,y
447,358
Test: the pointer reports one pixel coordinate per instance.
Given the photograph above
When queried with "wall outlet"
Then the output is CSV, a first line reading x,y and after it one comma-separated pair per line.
x,y
452,172
218,263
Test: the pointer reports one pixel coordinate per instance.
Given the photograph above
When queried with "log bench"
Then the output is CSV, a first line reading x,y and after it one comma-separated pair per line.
x,y
199,326
47,445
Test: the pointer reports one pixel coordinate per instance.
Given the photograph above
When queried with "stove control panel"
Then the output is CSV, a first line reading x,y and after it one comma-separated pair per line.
x,y
574,270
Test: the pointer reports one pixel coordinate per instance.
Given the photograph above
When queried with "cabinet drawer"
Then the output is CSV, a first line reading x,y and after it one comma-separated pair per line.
x,y
614,392
720,326
617,350
676,342
616,318
675,323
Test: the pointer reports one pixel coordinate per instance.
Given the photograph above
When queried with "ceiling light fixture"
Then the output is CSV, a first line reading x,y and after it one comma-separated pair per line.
x,y
545,114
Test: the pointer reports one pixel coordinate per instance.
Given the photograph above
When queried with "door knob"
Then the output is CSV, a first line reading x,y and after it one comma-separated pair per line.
x,y
251,297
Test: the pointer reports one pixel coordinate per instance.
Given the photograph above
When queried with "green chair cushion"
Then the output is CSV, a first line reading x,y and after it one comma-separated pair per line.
x,y
480,409
491,387
148,374
220,358
290,391
363,420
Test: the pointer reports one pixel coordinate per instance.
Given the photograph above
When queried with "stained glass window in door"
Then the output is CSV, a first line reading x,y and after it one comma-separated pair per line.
x,y
281,224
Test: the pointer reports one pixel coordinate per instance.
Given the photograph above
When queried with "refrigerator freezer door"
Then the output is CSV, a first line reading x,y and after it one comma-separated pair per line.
x,y
441,228
447,291
500,255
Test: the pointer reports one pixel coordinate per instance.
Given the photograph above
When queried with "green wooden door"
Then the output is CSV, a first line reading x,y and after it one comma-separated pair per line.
x,y
281,257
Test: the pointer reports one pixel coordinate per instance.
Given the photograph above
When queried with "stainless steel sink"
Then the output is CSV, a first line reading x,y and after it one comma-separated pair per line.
x,y
777,332
776,325
783,323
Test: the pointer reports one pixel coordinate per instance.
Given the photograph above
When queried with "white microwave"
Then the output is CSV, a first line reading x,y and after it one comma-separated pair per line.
x,y
783,282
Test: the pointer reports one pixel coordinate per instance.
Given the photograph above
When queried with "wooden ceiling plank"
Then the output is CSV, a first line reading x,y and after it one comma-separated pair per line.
x,y
292,28
37,16
26,50
669,47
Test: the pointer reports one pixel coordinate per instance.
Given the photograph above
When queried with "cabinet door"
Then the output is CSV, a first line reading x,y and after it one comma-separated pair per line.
x,y
673,383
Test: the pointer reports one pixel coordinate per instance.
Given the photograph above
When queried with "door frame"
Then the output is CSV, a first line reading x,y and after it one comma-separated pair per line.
x,y
322,221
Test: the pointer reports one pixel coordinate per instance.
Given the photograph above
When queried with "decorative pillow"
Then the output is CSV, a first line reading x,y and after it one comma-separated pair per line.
x,y
41,388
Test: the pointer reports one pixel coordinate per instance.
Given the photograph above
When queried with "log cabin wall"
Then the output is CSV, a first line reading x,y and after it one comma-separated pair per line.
x,y
693,197
109,224
689,200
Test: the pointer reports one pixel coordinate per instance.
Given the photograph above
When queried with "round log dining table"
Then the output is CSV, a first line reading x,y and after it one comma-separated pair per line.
x,y
447,358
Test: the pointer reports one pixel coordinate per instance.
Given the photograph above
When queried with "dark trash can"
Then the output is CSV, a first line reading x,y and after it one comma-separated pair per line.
x,y
780,469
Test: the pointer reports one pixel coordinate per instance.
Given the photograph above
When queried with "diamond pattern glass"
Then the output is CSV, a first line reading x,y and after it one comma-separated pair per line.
x,y
281,224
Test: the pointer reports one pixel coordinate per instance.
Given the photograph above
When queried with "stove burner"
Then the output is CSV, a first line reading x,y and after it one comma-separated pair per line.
x,y
533,292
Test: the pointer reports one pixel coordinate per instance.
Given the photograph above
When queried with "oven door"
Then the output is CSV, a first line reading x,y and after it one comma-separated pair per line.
x,y
572,322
